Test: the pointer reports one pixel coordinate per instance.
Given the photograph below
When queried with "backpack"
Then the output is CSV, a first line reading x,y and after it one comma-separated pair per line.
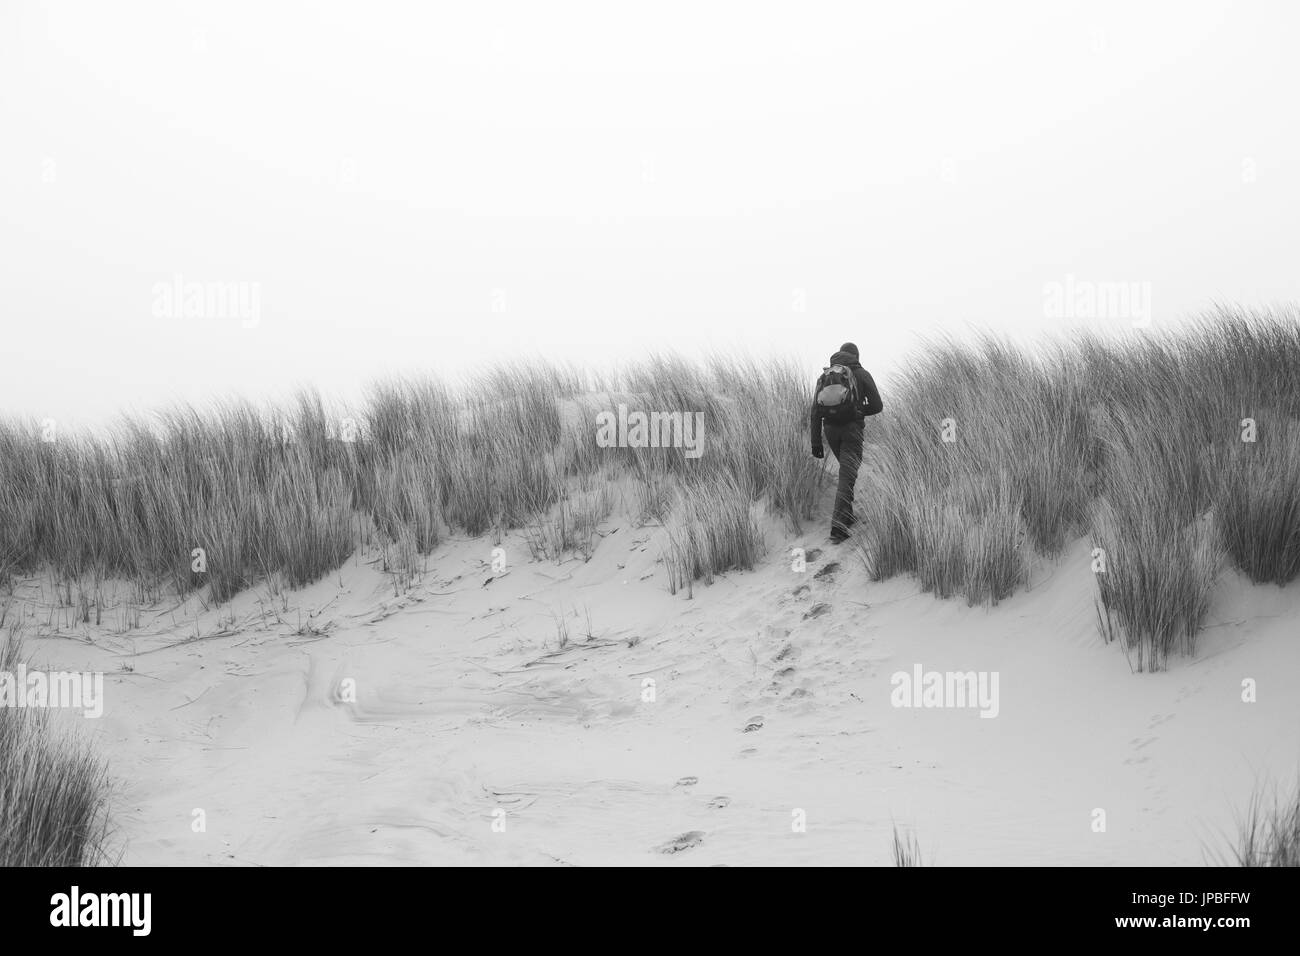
x,y
837,394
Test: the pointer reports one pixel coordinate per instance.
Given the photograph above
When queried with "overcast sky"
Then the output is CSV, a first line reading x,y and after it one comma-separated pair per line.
x,y
427,186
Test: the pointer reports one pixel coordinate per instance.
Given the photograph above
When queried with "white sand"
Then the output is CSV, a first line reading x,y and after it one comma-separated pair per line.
x,y
466,705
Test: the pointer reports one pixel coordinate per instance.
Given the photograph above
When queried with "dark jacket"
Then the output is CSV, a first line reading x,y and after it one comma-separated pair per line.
x,y
871,403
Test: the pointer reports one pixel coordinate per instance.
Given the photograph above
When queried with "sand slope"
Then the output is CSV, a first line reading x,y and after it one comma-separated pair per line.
x,y
771,704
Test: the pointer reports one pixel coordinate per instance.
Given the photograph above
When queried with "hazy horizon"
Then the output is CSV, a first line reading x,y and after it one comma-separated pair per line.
x,y
399,189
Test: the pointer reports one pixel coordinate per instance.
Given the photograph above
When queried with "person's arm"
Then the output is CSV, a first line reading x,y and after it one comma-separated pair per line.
x,y
873,404
815,427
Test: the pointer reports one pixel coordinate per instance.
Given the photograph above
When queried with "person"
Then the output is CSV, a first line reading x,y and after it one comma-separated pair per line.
x,y
845,438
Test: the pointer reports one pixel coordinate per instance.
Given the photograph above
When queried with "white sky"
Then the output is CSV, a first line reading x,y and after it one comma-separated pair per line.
x,y
616,178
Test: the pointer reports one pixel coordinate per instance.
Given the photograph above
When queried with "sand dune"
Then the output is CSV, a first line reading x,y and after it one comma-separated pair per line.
x,y
349,724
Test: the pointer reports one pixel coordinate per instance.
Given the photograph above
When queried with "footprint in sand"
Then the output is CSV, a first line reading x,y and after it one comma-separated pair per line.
x,y
817,610
827,573
718,803
784,674
812,554
687,782
686,841
1138,744
755,723
786,652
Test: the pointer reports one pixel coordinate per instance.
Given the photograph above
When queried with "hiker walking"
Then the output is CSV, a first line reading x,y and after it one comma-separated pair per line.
x,y
845,395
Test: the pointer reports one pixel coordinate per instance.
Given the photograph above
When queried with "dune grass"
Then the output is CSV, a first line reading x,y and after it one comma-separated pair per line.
x,y
978,463
1174,453
906,848
712,529
1269,834
1268,831
220,498
54,791
1257,501
990,459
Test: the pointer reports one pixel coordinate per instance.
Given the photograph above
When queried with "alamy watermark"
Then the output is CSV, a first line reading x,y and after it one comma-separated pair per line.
x,y
128,910
637,429
946,689
181,299
1076,298
40,689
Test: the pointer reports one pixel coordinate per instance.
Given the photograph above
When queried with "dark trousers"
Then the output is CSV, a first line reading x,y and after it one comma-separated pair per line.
x,y
845,442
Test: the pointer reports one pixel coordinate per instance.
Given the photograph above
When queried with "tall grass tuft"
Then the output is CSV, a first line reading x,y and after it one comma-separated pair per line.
x,y
906,847
1270,833
1257,502
712,529
54,791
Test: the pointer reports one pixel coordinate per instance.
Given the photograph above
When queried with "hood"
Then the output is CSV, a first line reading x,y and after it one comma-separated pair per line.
x,y
845,358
